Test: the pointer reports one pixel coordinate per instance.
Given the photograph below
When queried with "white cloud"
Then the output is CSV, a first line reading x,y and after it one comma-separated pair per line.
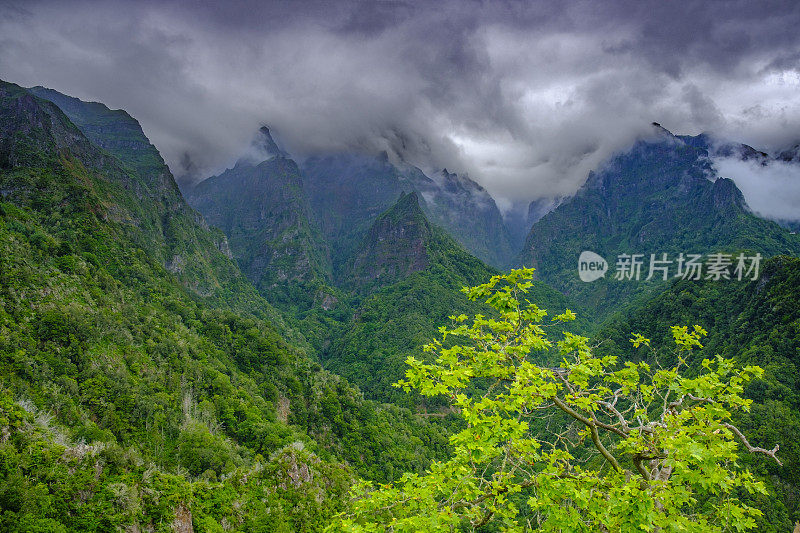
x,y
526,98
771,190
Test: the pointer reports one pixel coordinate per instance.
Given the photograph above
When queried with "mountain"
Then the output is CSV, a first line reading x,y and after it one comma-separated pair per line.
x,y
791,154
129,400
540,207
717,148
347,191
469,213
755,323
521,216
661,196
399,243
772,180
116,132
144,199
260,204
411,272
266,147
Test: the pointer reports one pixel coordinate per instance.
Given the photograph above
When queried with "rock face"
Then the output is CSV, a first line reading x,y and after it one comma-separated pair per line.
x,y
470,215
348,191
183,520
791,154
266,145
118,133
262,208
139,192
295,230
35,132
395,246
661,196
539,208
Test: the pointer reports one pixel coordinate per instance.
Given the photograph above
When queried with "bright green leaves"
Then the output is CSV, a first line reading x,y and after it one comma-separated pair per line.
x,y
595,444
566,316
685,339
637,340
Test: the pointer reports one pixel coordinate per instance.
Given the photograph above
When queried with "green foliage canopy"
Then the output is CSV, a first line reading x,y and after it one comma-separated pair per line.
x,y
592,445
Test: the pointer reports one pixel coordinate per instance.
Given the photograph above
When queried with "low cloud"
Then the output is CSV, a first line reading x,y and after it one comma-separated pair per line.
x,y
526,97
772,190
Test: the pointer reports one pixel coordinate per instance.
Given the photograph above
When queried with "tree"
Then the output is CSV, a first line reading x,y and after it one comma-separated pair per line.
x,y
594,444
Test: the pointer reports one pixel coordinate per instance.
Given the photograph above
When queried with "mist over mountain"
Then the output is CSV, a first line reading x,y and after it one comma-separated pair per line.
x,y
262,206
265,266
663,196
771,186
525,98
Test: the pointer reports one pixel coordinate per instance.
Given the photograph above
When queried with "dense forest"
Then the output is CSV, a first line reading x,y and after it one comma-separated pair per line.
x,y
230,361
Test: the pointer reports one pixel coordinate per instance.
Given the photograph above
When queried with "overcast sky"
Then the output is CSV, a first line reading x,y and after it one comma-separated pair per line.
x,y
526,97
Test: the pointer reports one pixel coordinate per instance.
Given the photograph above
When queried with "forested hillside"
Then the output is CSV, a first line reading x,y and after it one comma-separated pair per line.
x,y
755,323
358,266
415,271
262,208
660,197
134,395
153,376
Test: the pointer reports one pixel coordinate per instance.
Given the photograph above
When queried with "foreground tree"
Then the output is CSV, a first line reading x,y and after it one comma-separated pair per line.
x,y
590,445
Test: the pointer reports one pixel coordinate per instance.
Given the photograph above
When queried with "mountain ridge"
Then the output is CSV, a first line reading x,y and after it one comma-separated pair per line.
x,y
655,198
120,379
263,210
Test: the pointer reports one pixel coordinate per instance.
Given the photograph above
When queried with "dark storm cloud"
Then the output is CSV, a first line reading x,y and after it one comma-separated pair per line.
x,y
525,96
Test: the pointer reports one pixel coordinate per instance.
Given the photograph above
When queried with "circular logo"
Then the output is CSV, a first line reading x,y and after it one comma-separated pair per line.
x,y
591,266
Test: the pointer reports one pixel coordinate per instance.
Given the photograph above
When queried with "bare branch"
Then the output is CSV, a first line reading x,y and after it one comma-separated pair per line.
x,y
753,449
613,410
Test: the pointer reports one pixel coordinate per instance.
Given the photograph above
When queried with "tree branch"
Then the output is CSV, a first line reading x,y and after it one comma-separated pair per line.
x,y
753,449
592,429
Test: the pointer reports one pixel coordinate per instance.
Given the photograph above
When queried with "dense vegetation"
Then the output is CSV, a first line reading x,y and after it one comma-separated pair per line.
x,y
161,402
146,382
634,446
755,323
411,272
262,210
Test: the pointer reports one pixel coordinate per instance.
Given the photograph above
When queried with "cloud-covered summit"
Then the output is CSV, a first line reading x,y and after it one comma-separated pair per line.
x,y
526,97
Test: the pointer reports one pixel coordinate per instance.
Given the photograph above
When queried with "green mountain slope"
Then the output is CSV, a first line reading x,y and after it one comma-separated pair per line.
x,y
115,131
143,200
348,191
756,323
656,198
262,208
400,242
126,399
415,272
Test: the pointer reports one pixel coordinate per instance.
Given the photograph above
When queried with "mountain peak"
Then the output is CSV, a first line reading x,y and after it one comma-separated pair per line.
x,y
396,246
117,132
790,154
408,203
266,144
262,148
660,131
654,198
